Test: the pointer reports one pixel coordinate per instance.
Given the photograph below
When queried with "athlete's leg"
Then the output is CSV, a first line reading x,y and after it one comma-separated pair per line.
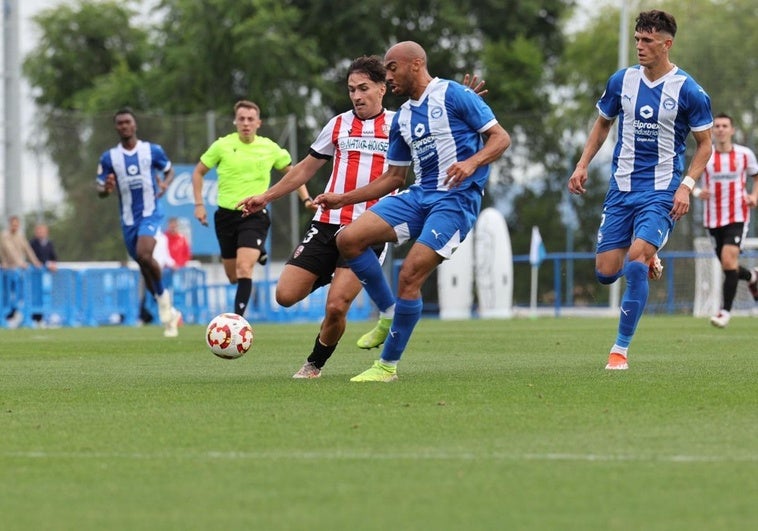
x,y
355,242
634,300
729,264
344,288
149,267
295,283
416,268
243,273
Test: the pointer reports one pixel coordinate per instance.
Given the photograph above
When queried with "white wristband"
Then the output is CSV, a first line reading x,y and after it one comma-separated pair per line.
x,y
689,182
696,192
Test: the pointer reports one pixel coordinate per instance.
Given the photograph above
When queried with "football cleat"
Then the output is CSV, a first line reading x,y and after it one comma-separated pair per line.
x,y
616,362
376,335
379,372
307,371
721,319
655,268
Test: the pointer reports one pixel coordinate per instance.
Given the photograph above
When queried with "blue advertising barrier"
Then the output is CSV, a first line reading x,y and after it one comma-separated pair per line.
x,y
111,296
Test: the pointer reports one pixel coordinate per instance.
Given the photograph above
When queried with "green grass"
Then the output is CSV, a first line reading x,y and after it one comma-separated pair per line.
x,y
493,425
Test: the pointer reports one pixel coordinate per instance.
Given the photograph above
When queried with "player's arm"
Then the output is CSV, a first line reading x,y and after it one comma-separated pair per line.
x,y
753,196
474,83
703,152
294,179
104,188
197,192
390,180
164,183
497,140
595,141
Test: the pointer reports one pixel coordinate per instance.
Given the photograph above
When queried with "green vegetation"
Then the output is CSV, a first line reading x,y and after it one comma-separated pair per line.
x,y
493,425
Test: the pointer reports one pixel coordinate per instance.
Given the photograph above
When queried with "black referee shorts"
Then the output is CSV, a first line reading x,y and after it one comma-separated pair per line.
x,y
233,231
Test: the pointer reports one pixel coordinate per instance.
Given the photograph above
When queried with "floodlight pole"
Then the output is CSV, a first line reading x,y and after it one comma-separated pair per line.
x,y
12,109
614,296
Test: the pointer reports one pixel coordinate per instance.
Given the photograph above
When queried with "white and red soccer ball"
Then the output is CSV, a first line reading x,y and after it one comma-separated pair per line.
x,y
229,336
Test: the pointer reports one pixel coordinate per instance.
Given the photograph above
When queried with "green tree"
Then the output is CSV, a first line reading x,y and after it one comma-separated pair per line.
x,y
80,60
289,56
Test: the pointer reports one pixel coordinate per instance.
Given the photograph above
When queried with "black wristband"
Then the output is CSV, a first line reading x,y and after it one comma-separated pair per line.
x,y
309,198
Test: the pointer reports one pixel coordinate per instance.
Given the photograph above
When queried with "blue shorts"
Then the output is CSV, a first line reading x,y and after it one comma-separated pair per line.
x,y
438,219
148,226
629,215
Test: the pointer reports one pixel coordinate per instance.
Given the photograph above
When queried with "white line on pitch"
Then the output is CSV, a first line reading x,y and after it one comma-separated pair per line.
x,y
410,456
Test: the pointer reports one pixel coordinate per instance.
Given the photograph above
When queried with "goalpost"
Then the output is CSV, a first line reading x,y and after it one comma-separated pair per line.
x,y
709,280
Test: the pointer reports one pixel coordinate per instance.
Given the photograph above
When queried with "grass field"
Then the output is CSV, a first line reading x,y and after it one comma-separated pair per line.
x,y
492,425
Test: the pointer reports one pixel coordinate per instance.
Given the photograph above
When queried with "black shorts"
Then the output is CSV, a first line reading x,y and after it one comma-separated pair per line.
x,y
233,231
732,234
318,253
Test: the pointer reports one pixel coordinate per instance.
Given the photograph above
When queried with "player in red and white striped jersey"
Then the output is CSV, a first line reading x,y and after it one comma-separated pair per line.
x,y
727,209
357,142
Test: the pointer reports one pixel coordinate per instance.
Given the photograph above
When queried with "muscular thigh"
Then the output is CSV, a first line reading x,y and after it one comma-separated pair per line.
x,y
630,215
317,252
732,234
451,217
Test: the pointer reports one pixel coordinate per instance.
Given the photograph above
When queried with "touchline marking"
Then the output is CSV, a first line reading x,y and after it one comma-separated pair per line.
x,y
409,456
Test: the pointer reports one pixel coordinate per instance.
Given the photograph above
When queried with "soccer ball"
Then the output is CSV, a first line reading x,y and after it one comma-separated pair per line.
x,y
229,336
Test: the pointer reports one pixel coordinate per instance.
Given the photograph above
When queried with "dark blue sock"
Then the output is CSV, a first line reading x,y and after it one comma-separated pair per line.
x,y
607,280
158,288
407,314
633,302
242,297
367,268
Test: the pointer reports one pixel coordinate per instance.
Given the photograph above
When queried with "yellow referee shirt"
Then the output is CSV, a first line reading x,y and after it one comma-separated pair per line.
x,y
243,169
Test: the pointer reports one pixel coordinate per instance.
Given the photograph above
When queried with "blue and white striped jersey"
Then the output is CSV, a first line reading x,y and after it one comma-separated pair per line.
x,y
654,121
443,127
135,182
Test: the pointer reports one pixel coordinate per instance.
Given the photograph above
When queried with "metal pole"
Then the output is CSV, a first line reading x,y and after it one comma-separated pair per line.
x,y
623,61
12,108
623,58
294,208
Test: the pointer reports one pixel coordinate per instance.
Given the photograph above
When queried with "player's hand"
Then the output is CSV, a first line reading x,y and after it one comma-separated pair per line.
x,y
458,172
329,200
681,203
110,183
201,215
162,187
310,205
577,180
252,204
750,199
475,84
704,194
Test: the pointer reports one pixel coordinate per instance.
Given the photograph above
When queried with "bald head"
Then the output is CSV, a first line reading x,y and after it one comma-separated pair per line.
x,y
407,74
407,51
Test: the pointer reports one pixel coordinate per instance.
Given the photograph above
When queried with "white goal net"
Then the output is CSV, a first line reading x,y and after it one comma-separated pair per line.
x,y
709,280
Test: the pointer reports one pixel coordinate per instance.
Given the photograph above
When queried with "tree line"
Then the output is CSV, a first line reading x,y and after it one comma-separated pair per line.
x,y
188,58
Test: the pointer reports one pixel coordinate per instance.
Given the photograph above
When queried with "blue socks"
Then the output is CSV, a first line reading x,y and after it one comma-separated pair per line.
x,y
633,302
407,314
367,268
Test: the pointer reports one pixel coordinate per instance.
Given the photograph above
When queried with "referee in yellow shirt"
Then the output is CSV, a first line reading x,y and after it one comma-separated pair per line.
x,y
243,161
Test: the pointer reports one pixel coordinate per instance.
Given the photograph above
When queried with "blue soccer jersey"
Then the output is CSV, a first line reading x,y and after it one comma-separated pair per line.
x,y
439,129
135,182
654,121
